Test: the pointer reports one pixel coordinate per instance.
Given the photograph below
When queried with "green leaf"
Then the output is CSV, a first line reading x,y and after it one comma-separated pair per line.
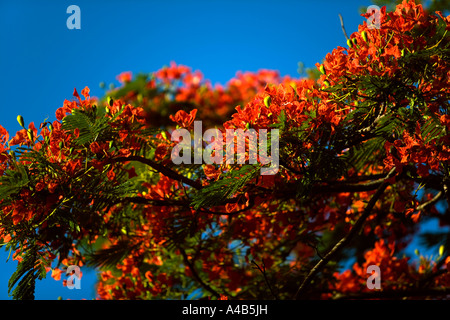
x,y
359,155
432,129
220,190
89,126
24,278
111,256
12,181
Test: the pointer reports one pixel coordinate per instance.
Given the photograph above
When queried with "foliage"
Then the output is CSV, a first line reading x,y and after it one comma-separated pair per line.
x,y
430,5
364,161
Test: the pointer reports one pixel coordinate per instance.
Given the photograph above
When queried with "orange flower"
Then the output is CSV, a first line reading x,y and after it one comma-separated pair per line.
x,y
183,118
124,77
85,92
111,175
56,274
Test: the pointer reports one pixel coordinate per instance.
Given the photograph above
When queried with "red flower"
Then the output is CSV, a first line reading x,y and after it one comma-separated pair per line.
x,y
161,152
52,186
40,186
85,92
131,173
211,172
98,147
76,95
21,136
124,77
183,118
4,135
111,175
172,73
56,274
66,108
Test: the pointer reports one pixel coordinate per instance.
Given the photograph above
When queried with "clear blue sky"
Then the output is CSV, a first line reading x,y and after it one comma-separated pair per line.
x,y
41,61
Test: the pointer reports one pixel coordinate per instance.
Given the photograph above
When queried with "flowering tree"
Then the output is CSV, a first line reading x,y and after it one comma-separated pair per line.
x,y
364,159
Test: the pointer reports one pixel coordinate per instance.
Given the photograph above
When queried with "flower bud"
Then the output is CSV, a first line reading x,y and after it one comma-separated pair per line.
x,y
441,250
350,43
267,101
20,121
30,134
322,69
364,36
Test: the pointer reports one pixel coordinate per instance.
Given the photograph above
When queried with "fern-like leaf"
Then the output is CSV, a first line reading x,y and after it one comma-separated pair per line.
x,y
25,276
111,256
220,190
90,127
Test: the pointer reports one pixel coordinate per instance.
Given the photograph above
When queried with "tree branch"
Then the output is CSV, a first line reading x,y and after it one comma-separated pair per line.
x,y
195,274
263,272
344,186
154,202
336,187
221,213
160,168
347,238
342,26
435,199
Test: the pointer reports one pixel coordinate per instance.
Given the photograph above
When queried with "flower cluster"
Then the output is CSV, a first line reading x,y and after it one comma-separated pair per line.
x,y
358,144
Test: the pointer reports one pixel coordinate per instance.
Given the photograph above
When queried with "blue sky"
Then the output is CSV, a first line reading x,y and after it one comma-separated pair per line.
x,y
42,61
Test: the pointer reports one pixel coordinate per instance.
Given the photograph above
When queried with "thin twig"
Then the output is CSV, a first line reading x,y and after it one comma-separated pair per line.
x,y
221,213
263,272
372,126
342,26
343,186
430,202
195,274
154,202
446,190
347,238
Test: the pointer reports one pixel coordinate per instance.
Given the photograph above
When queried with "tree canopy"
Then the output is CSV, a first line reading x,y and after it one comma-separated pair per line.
x,y
364,160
